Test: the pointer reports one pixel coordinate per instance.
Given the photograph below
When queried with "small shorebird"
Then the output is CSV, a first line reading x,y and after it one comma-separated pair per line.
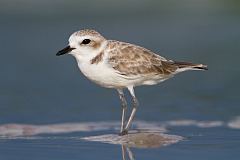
x,y
120,65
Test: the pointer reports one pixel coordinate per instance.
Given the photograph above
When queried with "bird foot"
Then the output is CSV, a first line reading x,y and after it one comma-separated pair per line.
x,y
124,132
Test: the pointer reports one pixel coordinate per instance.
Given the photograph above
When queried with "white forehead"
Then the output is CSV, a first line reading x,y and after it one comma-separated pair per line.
x,y
85,34
75,38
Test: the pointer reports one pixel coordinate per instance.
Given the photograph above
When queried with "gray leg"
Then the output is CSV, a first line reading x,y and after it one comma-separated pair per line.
x,y
124,107
135,105
123,152
126,149
130,154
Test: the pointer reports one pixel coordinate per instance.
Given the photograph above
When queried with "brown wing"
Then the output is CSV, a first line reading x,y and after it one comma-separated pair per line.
x,y
129,60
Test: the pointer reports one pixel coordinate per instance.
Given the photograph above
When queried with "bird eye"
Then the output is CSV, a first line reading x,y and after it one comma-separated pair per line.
x,y
86,41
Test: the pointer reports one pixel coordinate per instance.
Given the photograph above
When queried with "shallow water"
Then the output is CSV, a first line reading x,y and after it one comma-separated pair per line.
x,y
146,140
48,110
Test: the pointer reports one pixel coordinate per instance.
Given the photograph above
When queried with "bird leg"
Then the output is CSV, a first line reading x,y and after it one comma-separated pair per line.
x,y
124,107
135,105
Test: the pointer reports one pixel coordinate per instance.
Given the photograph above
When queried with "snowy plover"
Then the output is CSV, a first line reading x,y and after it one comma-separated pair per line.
x,y
121,65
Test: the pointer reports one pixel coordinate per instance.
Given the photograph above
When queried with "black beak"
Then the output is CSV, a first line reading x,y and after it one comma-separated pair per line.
x,y
64,51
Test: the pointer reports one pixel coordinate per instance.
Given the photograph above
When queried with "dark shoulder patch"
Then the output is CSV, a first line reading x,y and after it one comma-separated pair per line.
x,y
97,58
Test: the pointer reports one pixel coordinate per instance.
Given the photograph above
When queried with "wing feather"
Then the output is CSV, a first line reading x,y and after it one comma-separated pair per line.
x,y
132,60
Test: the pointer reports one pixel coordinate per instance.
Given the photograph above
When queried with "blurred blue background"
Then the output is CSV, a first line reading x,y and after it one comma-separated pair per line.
x,y
38,87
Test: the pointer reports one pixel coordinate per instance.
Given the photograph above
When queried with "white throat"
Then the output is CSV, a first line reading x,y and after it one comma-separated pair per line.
x,y
85,56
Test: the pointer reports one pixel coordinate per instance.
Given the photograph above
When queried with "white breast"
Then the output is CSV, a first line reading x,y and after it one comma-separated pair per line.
x,y
100,73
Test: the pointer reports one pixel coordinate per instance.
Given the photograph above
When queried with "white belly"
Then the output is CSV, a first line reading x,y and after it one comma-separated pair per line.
x,y
102,74
107,77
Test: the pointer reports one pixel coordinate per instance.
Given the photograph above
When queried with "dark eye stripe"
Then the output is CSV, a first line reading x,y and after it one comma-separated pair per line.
x,y
86,41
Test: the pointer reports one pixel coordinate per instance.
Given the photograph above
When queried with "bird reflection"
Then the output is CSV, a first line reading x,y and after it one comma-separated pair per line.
x,y
137,139
126,151
140,139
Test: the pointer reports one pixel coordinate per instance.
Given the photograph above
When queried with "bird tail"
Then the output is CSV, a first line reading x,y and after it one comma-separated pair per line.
x,y
182,66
